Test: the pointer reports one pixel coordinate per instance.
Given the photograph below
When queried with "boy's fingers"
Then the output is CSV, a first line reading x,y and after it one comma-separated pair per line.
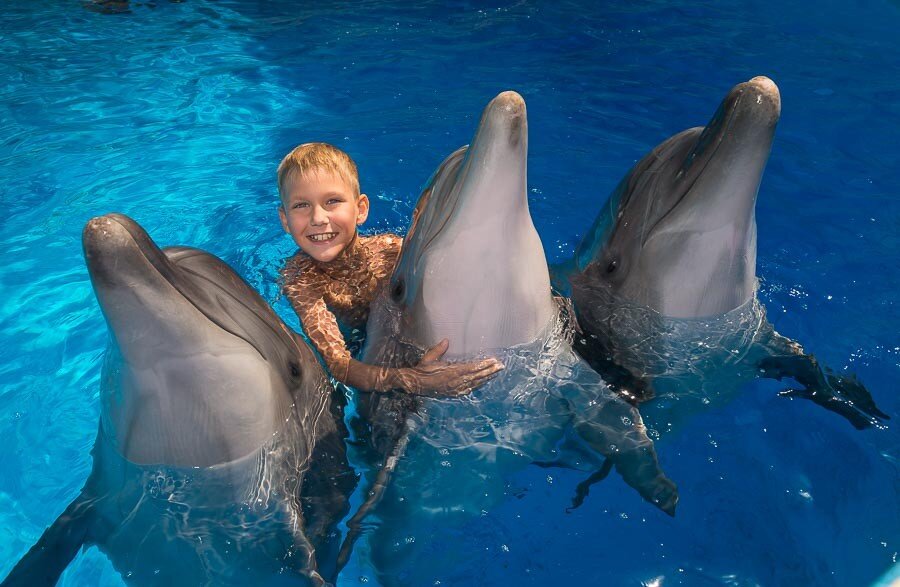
x,y
435,352
471,380
493,364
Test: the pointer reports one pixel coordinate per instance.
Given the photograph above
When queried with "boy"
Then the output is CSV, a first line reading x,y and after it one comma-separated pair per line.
x,y
336,274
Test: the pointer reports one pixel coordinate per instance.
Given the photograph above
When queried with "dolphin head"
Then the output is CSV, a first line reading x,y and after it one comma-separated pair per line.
x,y
679,233
200,370
472,268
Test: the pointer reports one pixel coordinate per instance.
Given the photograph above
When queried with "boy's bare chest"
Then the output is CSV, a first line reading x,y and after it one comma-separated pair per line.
x,y
350,292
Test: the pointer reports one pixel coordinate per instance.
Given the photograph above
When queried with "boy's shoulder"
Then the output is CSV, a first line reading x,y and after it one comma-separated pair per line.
x,y
296,262
299,269
385,243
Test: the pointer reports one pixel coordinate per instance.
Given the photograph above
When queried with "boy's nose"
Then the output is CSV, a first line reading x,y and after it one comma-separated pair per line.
x,y
319,216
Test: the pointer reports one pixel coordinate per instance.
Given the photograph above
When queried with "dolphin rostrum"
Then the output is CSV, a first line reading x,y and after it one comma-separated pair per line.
x,y
220,454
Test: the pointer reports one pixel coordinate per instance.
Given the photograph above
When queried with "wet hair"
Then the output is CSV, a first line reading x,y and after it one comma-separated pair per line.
x,y
309,158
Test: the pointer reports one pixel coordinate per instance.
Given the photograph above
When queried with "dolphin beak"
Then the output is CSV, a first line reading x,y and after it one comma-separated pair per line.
x,y
493,177
740,132
766,91
506,114
750,107
508,108
114,242
131,275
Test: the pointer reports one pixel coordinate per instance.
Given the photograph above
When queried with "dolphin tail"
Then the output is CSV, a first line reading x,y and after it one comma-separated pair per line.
x,y
354,524
843,395
48,558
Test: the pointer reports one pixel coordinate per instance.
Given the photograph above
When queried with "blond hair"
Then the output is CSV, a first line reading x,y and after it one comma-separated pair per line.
x,y
309,158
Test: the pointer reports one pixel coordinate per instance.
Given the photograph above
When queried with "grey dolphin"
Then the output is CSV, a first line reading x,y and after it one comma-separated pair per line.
x,y
220,453
669,267
473,269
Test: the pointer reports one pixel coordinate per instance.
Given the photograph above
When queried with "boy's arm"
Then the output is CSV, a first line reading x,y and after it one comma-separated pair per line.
x,y
430,377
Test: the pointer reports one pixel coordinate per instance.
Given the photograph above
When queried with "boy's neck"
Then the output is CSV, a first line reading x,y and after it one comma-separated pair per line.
x,y
351,255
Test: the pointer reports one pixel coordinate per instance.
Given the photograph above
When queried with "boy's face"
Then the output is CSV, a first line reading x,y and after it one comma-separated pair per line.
x,y
321,212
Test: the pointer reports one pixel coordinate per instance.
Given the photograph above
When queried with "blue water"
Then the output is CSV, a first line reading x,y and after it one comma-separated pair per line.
x,y
178,113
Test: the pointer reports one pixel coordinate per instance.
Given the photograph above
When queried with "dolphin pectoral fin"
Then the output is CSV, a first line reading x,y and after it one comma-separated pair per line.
x,y
301,552
639,468
851,388
584,488
632,388
616,431
843,395
48,558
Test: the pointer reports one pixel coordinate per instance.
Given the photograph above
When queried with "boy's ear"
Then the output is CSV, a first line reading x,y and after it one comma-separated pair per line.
x,y
283,217
362,203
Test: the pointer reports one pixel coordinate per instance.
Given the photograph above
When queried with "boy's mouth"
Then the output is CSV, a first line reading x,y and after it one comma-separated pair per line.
x,y
322,237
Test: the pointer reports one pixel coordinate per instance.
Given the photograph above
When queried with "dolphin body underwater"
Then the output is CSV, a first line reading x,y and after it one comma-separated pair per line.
x,y
220,455
473,270
664,284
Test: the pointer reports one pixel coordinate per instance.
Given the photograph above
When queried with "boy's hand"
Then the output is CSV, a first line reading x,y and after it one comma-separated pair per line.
x,y
435,378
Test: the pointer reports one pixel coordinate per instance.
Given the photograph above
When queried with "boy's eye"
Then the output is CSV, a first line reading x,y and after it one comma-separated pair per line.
x,y
334,201
300,205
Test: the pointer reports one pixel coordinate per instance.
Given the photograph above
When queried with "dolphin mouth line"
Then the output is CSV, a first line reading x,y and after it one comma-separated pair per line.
x,y
444,223
725,126
222,291
142,248
446,213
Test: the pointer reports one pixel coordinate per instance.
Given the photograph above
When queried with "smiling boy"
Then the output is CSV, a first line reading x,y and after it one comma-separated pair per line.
x,y
337,273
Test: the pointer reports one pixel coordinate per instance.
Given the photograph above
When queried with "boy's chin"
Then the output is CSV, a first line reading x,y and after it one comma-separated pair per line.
x,y
324,255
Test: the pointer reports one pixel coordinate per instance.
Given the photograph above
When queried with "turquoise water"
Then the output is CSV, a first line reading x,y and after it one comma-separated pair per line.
x,y
178,113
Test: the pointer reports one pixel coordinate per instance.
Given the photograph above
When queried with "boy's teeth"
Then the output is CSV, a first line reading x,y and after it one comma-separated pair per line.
x,y
322,237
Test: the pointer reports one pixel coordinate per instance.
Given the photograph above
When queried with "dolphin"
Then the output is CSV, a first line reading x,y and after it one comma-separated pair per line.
x,y
664,283
220,453
473,270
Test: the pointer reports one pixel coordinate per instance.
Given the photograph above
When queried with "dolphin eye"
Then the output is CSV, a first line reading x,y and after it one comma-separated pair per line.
x,y
612,266
295,369
399,290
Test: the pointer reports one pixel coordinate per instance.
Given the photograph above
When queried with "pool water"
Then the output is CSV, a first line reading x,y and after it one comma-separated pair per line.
x,y
178,113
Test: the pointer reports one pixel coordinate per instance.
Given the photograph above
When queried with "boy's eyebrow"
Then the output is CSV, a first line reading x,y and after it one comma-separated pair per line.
x,y
327,194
